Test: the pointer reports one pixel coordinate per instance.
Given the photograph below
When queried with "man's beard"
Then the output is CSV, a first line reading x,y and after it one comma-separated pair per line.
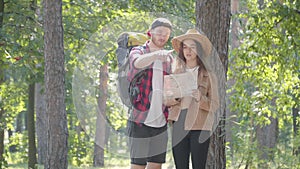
x,y
160,44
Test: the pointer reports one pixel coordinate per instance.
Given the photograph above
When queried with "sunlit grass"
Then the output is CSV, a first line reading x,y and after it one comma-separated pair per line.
x,y
110,163
24,166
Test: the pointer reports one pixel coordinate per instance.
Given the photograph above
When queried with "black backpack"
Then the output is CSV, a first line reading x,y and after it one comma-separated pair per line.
x,y
126,41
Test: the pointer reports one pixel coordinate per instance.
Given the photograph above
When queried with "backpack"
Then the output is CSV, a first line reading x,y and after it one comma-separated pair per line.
x,y
126,41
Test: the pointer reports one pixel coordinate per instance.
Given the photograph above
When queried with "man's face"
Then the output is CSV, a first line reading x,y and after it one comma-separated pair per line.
x,y
160,36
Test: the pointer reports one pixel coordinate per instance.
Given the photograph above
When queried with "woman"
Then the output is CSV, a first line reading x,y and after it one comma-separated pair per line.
x,y
192,117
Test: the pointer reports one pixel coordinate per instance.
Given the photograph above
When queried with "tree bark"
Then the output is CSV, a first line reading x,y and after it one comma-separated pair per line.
x,y
20,122
266,136
267,139
57,129
99,144
235,25
296,126
1,141
213,18
41,123
1,81
1,13
32,161
40,105
230,116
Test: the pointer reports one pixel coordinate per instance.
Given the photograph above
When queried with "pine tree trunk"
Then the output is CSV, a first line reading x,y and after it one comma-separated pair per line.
x,y
1,81
266,138
1,13
1,142
296,127
40,108
234,44
57,129
213,18
19,122
101,119
41,121
31,128
1,126
32,159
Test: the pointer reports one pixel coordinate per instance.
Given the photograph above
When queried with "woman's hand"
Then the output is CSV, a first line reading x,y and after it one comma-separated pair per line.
x,y
171,101
196,94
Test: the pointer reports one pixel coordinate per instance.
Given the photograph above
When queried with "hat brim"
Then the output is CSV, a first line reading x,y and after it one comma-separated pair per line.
x,y
202,39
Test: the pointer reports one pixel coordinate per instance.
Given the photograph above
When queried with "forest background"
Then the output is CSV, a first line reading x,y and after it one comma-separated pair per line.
x,y
262,118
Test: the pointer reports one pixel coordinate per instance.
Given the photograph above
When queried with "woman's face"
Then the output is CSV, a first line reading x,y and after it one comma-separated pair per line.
x,y
190,50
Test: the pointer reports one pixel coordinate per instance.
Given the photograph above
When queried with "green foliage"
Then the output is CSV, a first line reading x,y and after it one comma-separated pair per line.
x,y
266,73
179,8
20,142
12,102
80,149
23,41
21,62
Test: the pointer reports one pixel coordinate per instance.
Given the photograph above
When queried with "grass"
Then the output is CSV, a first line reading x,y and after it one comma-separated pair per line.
x,y
110,163
24,166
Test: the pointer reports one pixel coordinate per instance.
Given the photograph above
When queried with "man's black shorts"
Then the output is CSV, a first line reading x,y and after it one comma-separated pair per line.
x,y
147,144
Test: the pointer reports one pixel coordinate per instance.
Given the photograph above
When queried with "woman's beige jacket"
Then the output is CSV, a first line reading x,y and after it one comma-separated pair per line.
x,y
200,114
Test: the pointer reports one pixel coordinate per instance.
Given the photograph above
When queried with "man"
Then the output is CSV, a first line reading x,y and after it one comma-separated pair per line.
x,y
147,124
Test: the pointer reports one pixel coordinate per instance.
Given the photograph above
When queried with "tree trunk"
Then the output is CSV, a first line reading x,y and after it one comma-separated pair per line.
x,y
266,136
296,126
20,126
31,128
1,81
40,106
213,18
57,129
20,122
32,160
41,121
230,116
1,13
267,139
101,120
1,141
1,117
235,25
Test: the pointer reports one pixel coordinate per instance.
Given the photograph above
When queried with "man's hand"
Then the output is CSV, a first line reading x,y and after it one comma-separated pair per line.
x,y
163,55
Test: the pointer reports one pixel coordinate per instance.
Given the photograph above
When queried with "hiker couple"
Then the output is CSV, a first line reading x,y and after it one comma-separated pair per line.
x,y
190,115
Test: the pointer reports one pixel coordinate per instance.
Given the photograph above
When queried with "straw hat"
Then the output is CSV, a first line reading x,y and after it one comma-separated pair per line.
x,y
195,35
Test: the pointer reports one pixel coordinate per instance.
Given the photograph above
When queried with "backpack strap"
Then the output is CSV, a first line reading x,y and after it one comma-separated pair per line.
x,y
142,48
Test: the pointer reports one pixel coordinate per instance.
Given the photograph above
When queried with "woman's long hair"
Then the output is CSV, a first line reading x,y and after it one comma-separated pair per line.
x,y
181,63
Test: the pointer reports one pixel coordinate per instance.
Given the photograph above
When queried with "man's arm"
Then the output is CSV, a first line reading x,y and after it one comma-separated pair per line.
x,y
147,59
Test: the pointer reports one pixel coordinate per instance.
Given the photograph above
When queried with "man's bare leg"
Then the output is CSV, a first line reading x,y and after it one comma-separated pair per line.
x,y
134,166
154,165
